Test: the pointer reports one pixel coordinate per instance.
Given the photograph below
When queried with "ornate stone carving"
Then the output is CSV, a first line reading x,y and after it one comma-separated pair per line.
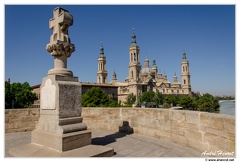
x,y
60,49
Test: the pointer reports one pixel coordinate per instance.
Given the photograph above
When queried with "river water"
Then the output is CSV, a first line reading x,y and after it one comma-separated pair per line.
x,y
227,107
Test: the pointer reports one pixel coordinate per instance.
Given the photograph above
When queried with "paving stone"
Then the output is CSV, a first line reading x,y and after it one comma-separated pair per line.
x,y
125,145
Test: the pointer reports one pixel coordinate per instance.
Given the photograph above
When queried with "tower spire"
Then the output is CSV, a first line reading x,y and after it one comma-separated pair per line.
x,y
101,50
134,42
114,76
154,63
175,77
184,55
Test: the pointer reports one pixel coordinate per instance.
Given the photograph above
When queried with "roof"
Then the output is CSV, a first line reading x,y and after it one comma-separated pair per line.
x,y
98,84
36,86
121,83
176,83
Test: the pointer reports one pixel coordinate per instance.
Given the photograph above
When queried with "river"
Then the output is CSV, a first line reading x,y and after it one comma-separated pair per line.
x,y
227,107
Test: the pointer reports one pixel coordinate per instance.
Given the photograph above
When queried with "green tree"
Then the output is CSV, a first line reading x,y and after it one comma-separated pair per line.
x,y
208,103
131,98
18,95
148,96
158,98
8,95
187,102
95,97
175,100
168,100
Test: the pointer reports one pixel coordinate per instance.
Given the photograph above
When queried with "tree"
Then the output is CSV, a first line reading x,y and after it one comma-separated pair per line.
x,y
131,98
95,97
168,100
147,97
175,100
187,102
8,95
158,98
208,103
18,95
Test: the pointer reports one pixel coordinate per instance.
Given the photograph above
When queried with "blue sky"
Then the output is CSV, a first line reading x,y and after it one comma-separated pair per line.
x,y
206,32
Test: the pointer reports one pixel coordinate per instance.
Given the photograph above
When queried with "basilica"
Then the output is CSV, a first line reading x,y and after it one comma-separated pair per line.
x,y
141,79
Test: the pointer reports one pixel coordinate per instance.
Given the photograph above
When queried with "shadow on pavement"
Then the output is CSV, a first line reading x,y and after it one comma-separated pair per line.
x,y
124,130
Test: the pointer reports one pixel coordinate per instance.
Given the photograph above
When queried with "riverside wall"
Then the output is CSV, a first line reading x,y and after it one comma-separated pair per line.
x,y
200,130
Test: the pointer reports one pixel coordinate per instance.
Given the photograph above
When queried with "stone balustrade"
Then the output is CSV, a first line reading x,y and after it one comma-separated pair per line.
x,y
199,130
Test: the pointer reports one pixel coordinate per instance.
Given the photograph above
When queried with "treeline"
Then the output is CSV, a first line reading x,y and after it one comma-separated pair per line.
x,y
20,95
225,98
206,102
95,97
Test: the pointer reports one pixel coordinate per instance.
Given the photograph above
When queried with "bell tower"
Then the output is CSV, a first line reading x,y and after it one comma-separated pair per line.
x,y
186,84
134,66
102,72
134,69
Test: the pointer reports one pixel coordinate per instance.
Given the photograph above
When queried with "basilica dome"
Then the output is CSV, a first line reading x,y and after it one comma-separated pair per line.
x,y
147,70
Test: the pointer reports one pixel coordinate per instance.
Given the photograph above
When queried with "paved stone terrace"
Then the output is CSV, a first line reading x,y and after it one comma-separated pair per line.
x,y
125,145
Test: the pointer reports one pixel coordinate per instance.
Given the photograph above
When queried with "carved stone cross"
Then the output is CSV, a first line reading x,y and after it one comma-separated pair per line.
x,y
59,24
60,45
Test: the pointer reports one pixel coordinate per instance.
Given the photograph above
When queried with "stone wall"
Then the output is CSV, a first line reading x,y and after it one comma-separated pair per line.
x,y
20,120
199,130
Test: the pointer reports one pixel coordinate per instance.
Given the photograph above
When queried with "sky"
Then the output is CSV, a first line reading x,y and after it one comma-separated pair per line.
x,y
205,32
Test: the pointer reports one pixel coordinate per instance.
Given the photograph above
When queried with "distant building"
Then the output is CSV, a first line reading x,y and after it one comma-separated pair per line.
x,y
110,90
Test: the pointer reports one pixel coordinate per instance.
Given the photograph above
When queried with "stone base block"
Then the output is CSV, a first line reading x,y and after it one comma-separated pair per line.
x,y
63,142
33,150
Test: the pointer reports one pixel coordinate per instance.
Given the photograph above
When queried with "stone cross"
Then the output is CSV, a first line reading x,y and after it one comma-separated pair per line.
x,y
60,45
59,24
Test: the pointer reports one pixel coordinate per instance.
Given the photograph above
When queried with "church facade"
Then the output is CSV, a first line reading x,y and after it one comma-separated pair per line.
x,y
147,78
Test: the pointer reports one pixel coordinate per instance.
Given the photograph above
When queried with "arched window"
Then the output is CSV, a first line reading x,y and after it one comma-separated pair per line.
x,y
134,57
184,81
183,69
